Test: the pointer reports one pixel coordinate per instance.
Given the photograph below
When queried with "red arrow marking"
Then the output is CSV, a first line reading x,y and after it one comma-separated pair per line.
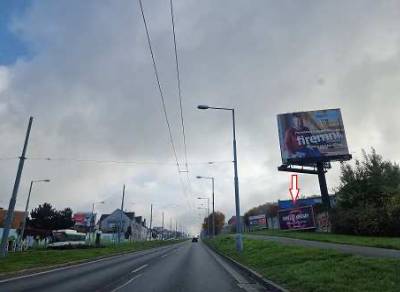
x,y
294,188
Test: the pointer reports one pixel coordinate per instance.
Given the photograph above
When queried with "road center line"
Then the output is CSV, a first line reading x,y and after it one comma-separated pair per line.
x,y
138,269
108,258
127,283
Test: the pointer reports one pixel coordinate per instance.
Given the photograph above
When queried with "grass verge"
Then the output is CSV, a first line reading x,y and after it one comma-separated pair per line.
x,y
382,242
41,258
309,269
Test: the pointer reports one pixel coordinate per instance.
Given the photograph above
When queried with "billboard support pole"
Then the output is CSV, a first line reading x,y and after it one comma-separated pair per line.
x,y
323,187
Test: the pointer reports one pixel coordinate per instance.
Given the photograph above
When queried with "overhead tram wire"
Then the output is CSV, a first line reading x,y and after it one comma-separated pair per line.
x,y
9,158
178,78
161,95
179,83
164,108
110,161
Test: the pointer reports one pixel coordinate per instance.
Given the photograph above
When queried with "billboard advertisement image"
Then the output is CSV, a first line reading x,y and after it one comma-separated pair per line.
x,y
307,137
83,219
297,218
258,221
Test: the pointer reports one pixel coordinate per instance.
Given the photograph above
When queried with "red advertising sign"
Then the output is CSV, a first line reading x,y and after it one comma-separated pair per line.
x,y
297,218
258,221
83,219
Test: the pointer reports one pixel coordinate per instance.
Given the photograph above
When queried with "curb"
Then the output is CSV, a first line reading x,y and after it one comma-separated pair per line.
x,y
271,286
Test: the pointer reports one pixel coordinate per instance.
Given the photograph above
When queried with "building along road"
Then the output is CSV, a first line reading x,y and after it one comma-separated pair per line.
x,y
184,266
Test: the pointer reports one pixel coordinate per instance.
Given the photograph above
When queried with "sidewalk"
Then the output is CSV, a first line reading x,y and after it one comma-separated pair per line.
x,y
345,248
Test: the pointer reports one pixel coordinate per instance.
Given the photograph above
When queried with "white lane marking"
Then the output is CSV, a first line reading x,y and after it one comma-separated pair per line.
x,y
127,283
144,252
169,253
54,270
138,269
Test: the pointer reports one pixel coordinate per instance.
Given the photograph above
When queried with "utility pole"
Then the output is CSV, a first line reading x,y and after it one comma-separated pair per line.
x,y
122,210
21,236
151,221
10,211
239,239
213,205
162,228
170,227
176,229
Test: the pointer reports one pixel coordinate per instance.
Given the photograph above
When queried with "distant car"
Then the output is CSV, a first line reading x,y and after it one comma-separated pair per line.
x,y
195,239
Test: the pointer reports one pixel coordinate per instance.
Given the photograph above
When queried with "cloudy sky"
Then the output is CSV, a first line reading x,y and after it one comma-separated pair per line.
x,y
83,70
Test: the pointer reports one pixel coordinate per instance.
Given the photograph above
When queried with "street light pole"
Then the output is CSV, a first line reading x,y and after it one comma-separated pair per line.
x,y
213,202
92,219
208,213
26,212
239,239
151,221
213,205
162,228
122,210
10,211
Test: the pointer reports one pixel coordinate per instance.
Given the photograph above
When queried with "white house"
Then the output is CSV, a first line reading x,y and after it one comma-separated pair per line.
x,y
131,226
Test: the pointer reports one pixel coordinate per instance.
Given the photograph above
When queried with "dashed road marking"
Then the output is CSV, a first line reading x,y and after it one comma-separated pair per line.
x,y
127,283
138,269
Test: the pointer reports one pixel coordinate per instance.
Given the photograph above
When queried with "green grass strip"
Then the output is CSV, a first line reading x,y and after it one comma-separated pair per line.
x,y
309,269
382,242
42,257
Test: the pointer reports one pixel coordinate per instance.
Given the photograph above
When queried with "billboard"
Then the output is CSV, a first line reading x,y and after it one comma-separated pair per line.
x,y
297,218
313,136
258,221
288,204
84,219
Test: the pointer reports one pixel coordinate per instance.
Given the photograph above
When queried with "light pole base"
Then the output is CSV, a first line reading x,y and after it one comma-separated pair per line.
x,y
239,242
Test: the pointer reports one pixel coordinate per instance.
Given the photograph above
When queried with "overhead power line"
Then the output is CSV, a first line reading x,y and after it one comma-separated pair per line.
x,y
159,85
178,78
158,163
179,83
9,158
163,104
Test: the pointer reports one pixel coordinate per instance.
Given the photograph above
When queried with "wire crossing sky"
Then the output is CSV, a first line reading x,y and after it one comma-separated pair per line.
x,y
87,72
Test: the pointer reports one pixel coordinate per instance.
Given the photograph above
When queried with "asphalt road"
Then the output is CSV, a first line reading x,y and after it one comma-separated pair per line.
x,y
345,248
180,267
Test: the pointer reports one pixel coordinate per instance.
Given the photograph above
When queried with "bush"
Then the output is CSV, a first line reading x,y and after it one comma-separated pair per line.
x,y
368,199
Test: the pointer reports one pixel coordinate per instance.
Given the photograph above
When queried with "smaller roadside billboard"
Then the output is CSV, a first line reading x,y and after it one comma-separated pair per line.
x,y
297,218
258,221
84,219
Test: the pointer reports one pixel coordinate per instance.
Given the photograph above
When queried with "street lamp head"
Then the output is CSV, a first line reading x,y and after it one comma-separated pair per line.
x,y
46,180
203,107
199,176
